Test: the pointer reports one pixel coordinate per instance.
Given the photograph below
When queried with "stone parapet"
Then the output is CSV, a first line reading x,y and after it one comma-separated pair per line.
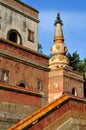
x,y
23,54
22,7
56,115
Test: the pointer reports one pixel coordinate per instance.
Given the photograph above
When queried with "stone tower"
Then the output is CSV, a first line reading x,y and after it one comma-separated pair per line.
x,y
62,79
19,23
58,49
23,70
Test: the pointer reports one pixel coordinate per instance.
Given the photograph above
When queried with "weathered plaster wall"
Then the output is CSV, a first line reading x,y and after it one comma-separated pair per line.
x,y
12,17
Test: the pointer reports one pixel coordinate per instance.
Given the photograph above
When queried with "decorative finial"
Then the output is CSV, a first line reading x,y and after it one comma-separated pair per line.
x,y
58,20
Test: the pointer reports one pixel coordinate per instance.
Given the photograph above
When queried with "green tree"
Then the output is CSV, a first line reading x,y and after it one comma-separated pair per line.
x,y
84,68
75,61
39,48
50,55
78,65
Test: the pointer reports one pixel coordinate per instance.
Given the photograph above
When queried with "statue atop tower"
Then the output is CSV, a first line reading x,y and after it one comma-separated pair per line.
x,y
58,49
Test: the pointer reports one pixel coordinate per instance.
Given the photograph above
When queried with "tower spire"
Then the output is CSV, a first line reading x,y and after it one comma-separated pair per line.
x,y
58,49
58,20
58,35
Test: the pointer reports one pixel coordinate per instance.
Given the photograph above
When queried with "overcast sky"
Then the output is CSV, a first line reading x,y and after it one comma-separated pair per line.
x,y
73,15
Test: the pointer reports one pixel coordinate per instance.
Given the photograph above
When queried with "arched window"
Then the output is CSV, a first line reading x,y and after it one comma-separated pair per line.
x,y
14,36
74,91
21,84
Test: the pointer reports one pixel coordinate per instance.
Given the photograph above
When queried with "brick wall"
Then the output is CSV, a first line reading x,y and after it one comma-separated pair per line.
x,y
77,110
23,51
63,80
19,98
24,64
66,112
17,103
74,80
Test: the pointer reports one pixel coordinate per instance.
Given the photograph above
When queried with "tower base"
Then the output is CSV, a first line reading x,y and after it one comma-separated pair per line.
x,y
64,80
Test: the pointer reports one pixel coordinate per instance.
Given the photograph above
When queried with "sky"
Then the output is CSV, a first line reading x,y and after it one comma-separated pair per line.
x,y
73,15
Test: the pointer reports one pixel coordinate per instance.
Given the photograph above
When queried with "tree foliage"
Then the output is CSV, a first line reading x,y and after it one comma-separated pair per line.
x,y
77,64
40,47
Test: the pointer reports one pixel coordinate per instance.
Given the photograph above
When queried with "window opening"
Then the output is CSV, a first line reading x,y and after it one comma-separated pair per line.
x,y
22,85
30,35
14,36
67,85
74,91
85,89
0,22
5,76
39,85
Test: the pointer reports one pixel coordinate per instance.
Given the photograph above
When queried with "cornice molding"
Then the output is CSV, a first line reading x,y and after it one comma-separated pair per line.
x,y
23,60
24,48
19,11
19,90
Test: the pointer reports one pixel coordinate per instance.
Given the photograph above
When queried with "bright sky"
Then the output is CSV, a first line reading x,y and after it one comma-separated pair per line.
x,y
73,15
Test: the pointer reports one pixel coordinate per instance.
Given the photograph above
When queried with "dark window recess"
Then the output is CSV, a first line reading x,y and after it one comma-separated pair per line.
x,y
5,76
14,36
30,36
24,26
22,85
39,85
85,89
0,22
10,19
74,91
